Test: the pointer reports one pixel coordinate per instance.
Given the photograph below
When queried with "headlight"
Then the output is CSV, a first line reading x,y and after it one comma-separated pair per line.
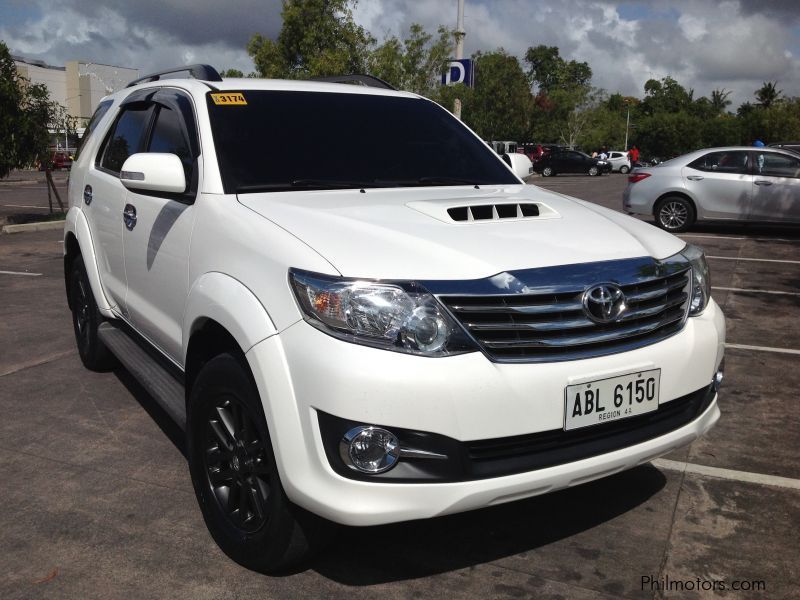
x,y
701,281
399,316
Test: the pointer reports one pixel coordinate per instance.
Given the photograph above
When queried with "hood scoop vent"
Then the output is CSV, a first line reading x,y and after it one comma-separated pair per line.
x,y
465,211
493,212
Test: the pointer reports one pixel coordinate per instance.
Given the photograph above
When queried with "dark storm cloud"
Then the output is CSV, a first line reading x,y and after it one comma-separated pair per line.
x,y
196,21
786,10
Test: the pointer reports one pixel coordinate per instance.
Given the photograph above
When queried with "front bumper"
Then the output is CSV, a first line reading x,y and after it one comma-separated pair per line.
x,y
303,372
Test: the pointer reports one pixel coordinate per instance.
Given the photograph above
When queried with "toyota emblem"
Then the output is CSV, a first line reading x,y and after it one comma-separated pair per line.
x,y
604,303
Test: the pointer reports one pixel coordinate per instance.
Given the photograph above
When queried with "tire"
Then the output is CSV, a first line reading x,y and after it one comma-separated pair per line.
x,y
624,169
230,452
593,171
674,214
547,172
86,318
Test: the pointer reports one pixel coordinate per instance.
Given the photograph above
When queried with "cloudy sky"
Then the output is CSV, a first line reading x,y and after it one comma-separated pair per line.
x,y
708,44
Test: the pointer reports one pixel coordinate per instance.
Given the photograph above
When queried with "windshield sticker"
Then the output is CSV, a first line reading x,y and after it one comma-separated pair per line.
x,y
229,99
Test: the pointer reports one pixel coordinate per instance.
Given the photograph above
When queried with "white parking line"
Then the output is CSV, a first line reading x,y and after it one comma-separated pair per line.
x,y
730,237
769,260
730,474
746,291
24,206
762,348
19,273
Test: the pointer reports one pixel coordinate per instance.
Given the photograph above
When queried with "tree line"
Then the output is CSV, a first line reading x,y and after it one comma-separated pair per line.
x,y
544,98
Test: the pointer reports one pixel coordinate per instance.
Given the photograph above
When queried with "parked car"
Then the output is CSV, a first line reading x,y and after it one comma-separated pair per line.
x,y
58,160
378,336
619,161
570,161
793,146
720,184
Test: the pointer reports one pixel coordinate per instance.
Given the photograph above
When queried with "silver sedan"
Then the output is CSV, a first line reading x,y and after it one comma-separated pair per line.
x,y
718,184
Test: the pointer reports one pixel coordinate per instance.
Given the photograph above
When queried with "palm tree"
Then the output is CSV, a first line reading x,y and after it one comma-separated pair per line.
x,y
768,94
719,100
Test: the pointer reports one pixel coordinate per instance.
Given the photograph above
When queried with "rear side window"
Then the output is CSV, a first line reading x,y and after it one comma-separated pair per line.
x,y
102,109
126,137
735,161
777,165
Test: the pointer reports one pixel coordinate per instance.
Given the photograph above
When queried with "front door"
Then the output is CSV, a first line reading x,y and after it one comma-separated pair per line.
x,y
104,198
157,243
722,183
776,187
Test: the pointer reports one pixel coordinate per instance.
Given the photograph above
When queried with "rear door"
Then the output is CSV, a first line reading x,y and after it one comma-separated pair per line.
x,y
721,184
104,197
776,187
157,245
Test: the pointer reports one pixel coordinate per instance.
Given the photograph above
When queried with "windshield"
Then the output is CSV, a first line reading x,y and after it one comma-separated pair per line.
x,y
285,141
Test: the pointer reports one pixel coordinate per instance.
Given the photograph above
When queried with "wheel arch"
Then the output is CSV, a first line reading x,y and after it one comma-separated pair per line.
x,y
221,310
670,194
78,242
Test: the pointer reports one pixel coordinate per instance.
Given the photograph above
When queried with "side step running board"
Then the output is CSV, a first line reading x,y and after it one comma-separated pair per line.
x,y
160,384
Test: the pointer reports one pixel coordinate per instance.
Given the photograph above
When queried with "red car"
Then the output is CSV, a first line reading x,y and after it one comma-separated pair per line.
x,y
58,160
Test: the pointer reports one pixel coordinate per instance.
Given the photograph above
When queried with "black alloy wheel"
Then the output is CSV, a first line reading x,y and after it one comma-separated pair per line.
x,y
237,467
547,171
86,318
235,476
593,171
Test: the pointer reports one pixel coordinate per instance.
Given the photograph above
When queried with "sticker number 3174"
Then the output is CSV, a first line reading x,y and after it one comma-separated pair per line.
x,y
229,98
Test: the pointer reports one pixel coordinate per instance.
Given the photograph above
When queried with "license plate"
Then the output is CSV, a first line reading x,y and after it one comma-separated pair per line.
x,y
611,399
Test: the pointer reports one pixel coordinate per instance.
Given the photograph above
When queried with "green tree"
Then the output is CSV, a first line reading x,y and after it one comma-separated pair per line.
x,y
548,71
415,63
26,113
666,95
498,108
720,101
768,94
318,38
232,73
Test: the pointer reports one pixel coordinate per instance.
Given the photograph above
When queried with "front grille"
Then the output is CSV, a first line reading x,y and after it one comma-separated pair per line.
x,y
548,323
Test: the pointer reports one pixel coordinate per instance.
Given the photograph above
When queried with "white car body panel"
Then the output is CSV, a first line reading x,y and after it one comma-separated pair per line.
x,y
413,245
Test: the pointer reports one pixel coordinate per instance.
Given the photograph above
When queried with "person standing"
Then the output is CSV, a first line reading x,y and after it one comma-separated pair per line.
x,y
634,154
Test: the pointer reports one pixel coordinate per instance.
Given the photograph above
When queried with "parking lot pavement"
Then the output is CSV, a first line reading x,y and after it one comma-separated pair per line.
x,y
97,500
25,193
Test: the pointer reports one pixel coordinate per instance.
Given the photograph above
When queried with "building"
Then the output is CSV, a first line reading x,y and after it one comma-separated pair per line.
x,y
78,86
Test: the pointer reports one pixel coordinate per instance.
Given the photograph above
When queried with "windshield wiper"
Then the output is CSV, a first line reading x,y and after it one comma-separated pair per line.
x,y
303,184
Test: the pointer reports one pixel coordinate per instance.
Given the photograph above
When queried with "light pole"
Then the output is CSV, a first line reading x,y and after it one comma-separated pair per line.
x,y
460,34
627,123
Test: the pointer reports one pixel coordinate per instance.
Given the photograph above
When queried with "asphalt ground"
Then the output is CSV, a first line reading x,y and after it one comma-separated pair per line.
x,y
23,195
96,500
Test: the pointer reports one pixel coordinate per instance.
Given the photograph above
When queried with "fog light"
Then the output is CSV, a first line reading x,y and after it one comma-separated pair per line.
x,y
717,381
369,449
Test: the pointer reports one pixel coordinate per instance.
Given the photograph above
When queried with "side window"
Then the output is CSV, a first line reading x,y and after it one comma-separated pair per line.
x,y
169,136
723,162
777,165
102,109
126,137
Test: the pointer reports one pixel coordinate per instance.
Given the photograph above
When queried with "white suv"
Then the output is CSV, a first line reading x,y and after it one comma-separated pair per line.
x,y
367,337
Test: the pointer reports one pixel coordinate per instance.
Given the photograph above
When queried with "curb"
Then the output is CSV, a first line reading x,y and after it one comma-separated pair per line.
x,y
25,227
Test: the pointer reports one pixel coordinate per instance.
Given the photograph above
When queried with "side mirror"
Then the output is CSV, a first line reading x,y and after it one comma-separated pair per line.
x,y
519,163
154,171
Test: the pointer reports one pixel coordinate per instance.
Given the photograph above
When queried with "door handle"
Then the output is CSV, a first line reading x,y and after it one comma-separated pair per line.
x,y
695,177
762,182
129,216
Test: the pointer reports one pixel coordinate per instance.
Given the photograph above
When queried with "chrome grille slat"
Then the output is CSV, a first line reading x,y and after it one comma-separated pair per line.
x,y
545,321
560,342
526,309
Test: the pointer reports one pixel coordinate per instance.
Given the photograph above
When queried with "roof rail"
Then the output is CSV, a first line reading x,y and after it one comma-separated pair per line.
x,y
367,80
204,72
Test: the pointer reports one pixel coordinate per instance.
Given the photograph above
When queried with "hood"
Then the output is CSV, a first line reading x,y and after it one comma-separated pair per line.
x,y
411,233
